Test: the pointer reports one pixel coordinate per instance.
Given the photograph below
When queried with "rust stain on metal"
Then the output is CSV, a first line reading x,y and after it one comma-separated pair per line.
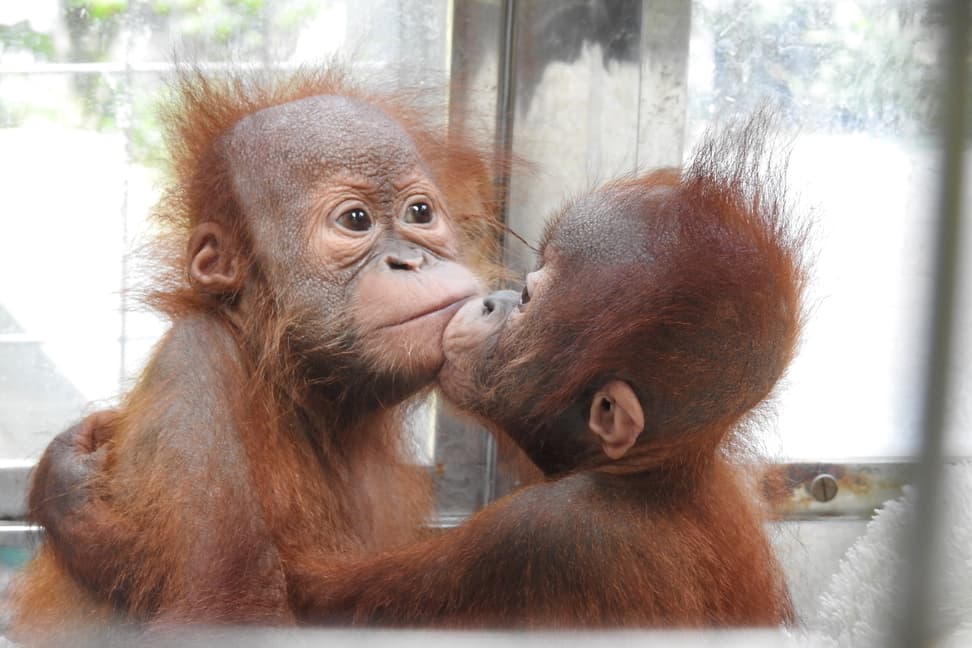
x,y
811,489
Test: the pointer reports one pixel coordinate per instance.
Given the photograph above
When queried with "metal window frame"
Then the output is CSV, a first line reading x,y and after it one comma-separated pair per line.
x,y
860,487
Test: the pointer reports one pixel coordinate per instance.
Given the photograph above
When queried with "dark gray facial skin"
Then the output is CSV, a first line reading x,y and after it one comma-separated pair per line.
x,y
353,233
585,255
482,344
499,349
293,161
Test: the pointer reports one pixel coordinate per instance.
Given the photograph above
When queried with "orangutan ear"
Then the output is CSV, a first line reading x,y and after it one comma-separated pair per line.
x,y
214,265
616,418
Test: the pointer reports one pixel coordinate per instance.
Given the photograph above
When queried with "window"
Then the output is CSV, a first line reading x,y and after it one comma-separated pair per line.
x,y
584,91
81,162
854,81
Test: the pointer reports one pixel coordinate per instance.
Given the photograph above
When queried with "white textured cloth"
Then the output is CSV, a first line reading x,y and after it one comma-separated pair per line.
x,y
858,607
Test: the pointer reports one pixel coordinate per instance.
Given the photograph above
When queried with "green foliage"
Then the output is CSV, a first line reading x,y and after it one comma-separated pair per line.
x,y
835,64
20,36
250,7
99,9
838,64
147,147
97,30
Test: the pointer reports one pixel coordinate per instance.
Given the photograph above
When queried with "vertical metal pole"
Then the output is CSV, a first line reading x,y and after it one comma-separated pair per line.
x,y
916,623
503,147
505,102
128,79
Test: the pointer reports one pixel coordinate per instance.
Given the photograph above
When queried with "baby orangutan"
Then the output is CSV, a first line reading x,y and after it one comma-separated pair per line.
x,y
664,309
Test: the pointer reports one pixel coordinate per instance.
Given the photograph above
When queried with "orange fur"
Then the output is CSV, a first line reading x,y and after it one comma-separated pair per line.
x,y
685,286
225,470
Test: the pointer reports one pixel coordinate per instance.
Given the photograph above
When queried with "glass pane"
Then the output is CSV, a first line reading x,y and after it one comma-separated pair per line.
x,y
855,86
856,81
60,258
577,89
81,158
80,150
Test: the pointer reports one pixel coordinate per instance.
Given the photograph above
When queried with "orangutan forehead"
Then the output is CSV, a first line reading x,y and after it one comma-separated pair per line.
x,y
322,135
613,226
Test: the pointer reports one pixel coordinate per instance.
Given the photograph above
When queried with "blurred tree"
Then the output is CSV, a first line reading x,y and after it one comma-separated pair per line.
x,y
20,36
837,64
97,31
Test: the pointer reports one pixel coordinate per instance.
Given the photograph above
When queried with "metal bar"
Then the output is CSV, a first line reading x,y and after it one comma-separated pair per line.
x,y
14,478
914,618
148,67
21,338
22,536
848,490
857,489
29,338
154,67
505,103
129,108
505,106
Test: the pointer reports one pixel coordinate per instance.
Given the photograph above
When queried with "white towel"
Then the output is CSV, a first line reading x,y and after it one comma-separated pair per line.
x,y
858,607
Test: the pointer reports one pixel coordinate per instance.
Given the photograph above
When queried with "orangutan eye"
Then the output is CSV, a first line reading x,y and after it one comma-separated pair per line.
x,y
524,296
356,220
419,213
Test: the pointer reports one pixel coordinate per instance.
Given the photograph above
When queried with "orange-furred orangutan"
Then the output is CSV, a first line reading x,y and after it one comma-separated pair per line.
x,y
663,311
317,239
